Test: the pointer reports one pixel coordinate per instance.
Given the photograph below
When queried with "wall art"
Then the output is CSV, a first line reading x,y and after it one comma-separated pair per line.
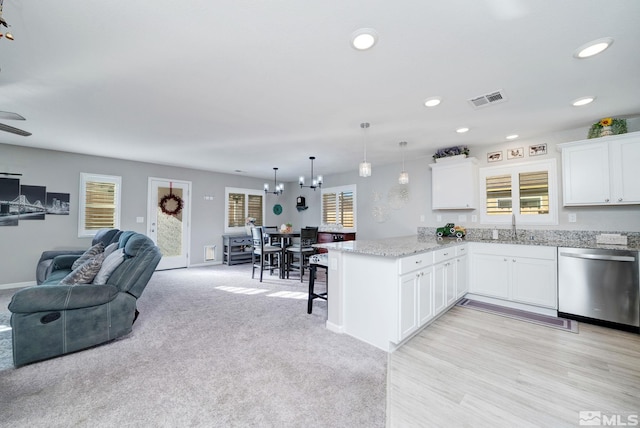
x,y
32,202
515,153
538,149
494,156
58,203
9,201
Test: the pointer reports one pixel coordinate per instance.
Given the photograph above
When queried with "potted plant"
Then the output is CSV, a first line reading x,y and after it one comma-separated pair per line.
x,y
451,153
608,126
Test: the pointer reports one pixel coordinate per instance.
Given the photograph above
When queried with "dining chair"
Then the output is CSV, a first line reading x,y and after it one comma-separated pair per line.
x,y
298,254
272,240
264,256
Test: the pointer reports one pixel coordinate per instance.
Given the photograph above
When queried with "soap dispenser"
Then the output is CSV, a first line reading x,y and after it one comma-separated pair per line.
x,y
495,233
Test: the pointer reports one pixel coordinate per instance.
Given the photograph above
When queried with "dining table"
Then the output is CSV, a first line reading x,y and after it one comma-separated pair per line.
x,y
285,241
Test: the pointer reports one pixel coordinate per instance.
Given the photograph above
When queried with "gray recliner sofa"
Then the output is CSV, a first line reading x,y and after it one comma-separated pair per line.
x,y
53,319
45,264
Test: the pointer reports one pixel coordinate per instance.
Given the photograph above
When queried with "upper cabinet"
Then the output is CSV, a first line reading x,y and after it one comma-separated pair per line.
x,y
454,184
602,171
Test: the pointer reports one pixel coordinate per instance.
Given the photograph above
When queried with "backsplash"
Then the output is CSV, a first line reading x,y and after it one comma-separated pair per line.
x,y
568,238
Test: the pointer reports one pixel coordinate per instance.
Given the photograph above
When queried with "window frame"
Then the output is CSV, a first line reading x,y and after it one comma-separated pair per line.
x,y
337,190
246,192
85,178
515,170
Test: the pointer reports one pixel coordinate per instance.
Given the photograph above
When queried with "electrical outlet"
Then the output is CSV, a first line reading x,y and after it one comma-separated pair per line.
x,y
474,218
438,218
572,217
422,218
139,219
462,218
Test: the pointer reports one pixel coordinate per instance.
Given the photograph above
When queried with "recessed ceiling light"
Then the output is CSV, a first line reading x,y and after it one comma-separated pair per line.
x,y
593,48
462,130
364,38
582,101
432,102
512,136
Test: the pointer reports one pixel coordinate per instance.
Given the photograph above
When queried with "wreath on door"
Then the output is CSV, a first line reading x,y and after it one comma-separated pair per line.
x,y
171,204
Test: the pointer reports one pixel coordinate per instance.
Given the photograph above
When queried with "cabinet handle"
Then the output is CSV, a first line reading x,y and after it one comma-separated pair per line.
x,y
606,200
418,262
514,260
619,199
421,273
505,259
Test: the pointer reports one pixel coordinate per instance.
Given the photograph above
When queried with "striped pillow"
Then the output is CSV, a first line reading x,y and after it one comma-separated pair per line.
x,y
84,273
90,253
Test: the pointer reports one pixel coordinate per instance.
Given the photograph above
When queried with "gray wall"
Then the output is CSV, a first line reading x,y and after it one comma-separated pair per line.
x,y
60,172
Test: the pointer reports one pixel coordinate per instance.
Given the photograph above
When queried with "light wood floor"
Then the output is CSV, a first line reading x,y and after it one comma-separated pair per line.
x,y
473,369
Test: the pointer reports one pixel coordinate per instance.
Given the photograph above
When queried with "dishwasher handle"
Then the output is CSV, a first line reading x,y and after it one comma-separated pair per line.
x,y
600,257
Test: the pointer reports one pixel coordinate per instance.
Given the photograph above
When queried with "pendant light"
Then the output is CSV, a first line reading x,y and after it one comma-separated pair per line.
x,y
404,175
365,167
279,188
315,182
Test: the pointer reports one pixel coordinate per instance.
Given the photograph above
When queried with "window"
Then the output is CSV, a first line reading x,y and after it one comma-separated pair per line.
x,y
99,203
339,206
526,191
241,204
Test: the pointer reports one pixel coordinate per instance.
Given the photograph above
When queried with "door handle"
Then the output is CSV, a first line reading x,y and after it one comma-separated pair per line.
x,y
600,257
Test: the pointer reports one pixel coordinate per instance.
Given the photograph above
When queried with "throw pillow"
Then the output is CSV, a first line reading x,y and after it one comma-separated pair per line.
x,y
110,249
110,263
84,273
90,253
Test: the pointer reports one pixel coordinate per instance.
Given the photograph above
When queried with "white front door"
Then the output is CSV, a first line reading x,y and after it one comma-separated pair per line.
x,y
169,220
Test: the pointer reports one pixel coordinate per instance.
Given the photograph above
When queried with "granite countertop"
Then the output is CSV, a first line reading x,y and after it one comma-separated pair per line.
x,y
408,245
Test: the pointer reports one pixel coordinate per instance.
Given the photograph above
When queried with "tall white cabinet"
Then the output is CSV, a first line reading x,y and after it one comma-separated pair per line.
x,y
601,171
454,184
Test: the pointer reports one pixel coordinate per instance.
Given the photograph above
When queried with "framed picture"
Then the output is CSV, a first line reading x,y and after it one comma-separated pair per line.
x,y
515,153
494,156
538,149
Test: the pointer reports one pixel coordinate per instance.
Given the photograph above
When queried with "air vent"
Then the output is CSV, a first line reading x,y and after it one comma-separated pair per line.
x,y
488,99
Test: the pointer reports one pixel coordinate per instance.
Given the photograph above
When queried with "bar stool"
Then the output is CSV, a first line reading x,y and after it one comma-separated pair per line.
x,y
317,261
266,254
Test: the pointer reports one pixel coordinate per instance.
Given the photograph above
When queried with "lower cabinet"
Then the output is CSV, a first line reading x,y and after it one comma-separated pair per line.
x,y
415,305
517,273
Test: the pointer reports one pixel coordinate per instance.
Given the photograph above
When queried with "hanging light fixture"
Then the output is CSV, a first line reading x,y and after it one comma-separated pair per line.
x,y
279,188
365,167
404,175
4,24
315,182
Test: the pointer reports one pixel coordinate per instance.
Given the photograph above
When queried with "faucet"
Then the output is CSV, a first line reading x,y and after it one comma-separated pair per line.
x,y
514,234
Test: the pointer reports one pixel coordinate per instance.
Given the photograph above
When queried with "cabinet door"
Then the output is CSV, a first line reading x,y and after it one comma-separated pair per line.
x,y
533,281
439,287
450,282
455,185
407,304
490,276
625,158
425,296
462,284
585,174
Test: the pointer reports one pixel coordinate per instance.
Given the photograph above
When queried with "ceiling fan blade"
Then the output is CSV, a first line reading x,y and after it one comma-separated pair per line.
x,y
13,130
10,115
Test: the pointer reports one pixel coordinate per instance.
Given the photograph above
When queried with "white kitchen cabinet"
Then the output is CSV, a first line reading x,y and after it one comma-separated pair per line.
x,y
461,267
601,171
454,184
415,295
517,273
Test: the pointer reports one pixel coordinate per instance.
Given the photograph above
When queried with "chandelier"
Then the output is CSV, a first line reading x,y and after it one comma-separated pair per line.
x,y
279,188
315,182
4,24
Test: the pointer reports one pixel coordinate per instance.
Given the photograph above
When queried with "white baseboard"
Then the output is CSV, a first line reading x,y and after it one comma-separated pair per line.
x,y
17,285
334,327
206,264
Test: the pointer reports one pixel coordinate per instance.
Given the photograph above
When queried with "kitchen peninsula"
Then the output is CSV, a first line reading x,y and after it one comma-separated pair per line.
x,y
386,290
383,291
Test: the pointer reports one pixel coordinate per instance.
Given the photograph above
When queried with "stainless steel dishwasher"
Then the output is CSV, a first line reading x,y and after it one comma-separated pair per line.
x,y
599,285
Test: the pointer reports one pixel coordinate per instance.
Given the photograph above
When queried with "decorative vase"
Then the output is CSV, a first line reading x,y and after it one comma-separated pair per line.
x,y
451,158
606,130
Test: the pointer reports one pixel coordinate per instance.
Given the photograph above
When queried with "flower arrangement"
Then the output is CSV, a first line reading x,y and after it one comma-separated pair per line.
x,y
451,151
250,221
608,126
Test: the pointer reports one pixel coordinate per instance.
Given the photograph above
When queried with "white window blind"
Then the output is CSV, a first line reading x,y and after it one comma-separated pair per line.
x,y
99,203
339,206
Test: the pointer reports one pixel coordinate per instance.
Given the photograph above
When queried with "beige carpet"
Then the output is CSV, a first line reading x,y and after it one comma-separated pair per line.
x,y
212,348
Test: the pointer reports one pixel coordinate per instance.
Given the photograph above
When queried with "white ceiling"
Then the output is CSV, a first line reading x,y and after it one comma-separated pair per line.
x,y
250,85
